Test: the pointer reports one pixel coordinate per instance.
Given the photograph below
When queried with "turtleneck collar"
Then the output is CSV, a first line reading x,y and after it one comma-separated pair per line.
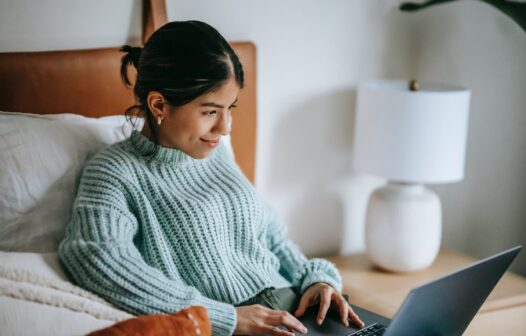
x,y
146,147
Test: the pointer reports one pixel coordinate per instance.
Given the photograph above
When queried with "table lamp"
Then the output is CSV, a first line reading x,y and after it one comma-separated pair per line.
x,y
412,134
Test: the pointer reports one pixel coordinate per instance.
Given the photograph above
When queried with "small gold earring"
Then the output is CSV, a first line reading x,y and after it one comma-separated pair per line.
x,y
159,120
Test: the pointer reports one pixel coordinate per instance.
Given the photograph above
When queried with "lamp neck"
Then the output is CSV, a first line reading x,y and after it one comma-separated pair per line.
x,y
406,187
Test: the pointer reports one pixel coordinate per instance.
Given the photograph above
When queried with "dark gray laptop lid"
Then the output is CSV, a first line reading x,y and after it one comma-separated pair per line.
x,y
446,306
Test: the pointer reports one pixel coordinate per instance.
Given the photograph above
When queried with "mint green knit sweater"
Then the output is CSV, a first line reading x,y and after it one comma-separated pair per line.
x,y
160,235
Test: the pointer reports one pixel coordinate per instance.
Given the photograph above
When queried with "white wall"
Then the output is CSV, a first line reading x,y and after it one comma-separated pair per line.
x,y
473,44
311,55
29,25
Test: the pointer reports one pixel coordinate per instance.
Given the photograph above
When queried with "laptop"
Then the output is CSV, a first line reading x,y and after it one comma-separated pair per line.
x,y
442,307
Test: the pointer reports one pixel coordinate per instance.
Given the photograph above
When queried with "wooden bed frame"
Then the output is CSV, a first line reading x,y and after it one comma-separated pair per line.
x,y
87,82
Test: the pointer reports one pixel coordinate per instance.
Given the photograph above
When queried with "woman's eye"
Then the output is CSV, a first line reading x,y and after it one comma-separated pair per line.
x,y
210,113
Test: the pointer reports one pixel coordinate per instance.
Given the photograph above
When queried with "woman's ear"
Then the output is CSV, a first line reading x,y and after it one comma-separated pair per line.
x,y
155,101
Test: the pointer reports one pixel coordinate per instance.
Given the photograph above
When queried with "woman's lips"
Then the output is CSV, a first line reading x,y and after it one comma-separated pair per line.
x,y
210,143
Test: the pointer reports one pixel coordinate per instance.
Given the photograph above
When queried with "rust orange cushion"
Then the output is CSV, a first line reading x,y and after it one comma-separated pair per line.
x,y
190,321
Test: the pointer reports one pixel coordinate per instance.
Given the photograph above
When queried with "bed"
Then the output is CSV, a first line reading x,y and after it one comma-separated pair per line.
x,y
57,109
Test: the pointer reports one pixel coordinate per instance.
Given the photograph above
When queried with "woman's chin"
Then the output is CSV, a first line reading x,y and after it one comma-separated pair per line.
x,y
200,155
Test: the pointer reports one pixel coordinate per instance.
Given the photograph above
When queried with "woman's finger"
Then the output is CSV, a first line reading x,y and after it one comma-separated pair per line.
x,y
273,330
344,309
303,305
355,318
284,318
325,303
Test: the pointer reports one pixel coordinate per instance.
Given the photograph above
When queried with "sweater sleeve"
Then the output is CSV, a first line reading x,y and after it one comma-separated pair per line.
x,y
295,267
99,254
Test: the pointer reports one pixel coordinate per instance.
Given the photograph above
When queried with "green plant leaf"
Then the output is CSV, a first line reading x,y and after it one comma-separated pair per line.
x,y
412,7
515,10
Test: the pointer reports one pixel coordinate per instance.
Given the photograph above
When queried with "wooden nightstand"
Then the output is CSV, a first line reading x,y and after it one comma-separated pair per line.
x,y
504,312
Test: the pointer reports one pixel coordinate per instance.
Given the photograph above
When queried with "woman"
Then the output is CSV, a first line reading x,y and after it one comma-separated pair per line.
x,y
165,219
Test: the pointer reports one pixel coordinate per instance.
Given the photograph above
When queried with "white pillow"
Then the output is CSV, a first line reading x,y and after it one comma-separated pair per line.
x,y
41,159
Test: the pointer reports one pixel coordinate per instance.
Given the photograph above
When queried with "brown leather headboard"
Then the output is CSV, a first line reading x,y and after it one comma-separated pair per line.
x,y
88,82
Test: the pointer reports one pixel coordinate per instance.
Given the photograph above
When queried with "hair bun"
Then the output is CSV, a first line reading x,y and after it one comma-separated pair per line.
x,y
131,57
132,54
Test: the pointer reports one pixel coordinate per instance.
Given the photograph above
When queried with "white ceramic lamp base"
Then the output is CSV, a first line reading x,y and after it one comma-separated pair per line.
x,y
403,227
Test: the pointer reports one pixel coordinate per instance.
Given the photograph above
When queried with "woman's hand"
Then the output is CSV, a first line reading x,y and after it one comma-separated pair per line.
x,y
327,296
257,319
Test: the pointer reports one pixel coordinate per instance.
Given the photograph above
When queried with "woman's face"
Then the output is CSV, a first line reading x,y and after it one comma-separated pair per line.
x,y
196,128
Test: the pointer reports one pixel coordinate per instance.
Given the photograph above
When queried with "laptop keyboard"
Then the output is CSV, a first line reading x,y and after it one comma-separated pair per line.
x,y
373,329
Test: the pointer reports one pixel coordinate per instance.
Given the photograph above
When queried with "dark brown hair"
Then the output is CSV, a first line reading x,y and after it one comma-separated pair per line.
x,y
182,60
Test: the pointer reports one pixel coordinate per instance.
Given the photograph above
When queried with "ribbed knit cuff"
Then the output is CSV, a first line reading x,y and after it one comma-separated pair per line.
x,y
321,270
223,316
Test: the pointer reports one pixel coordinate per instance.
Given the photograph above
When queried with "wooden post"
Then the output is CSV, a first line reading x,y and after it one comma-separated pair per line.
x,y
153,17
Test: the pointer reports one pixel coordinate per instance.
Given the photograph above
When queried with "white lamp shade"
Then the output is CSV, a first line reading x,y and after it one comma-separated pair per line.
x,y
411,136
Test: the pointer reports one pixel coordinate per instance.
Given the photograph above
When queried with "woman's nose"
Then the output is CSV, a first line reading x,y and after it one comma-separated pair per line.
x,y
223,124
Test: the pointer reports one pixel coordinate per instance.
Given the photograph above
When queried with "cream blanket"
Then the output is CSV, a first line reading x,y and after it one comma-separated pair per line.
x,y
36,299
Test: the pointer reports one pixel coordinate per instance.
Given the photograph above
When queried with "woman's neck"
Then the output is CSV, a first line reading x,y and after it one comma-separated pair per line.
x,y
147,132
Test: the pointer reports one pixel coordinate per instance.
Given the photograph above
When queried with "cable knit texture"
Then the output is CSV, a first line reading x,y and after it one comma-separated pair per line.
x,y
159,235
